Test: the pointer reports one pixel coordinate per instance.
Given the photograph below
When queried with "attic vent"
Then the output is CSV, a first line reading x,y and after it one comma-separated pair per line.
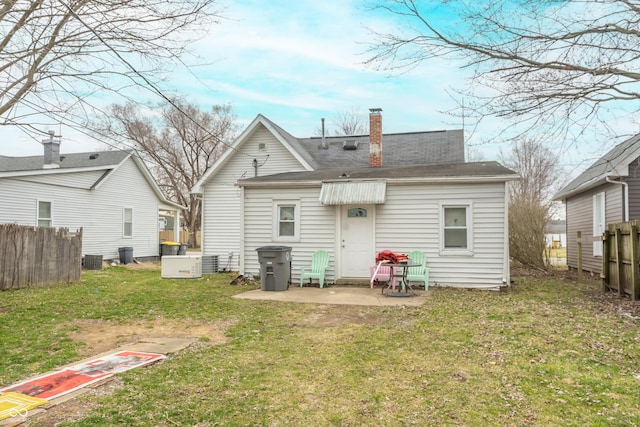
x,y
94,156
350,144
262,146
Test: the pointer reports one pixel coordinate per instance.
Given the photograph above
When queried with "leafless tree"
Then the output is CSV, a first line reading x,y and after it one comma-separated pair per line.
x,y
57,58
179,144
530,199
346,123
549,64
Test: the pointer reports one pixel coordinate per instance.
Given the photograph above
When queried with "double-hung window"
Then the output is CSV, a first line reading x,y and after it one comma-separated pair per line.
x,y
286,226
45,213
127,222
456,228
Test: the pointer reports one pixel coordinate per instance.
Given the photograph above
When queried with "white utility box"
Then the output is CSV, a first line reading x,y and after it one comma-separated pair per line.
x,y
181,266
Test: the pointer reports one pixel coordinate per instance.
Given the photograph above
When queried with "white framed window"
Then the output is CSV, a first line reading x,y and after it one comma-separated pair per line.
x,y
456,230
45,213
599,222
127,222
286,224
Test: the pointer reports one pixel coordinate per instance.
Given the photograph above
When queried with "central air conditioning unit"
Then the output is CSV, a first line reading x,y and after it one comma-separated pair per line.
x,y
181,266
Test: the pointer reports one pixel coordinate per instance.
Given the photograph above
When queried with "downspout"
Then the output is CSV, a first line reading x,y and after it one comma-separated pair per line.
x,y
626,196
506,277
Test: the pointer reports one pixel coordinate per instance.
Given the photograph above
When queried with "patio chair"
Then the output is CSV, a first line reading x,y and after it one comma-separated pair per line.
x,y
420,273
381,272
319,264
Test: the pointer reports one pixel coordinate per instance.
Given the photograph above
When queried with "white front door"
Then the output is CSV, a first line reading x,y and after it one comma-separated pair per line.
x,y
357,245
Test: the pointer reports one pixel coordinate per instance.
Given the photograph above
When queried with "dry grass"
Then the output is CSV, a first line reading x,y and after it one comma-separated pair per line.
x,y
548,351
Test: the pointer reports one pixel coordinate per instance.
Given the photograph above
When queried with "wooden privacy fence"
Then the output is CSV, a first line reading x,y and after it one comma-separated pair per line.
x,y
38,256
621,259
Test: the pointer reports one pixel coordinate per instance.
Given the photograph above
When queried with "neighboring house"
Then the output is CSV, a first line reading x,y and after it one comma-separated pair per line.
x,y
555,233
605,193
356,196
110,194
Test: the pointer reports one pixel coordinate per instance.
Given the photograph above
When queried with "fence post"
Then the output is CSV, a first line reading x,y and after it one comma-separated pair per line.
x,y
635,272
606,253
579,240
620,260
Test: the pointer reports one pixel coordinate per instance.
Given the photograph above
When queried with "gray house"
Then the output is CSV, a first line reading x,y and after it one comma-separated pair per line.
x,y
355,196
605,193
110,194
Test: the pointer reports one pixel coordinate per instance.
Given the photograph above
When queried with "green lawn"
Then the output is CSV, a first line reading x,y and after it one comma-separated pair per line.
x,y
546,352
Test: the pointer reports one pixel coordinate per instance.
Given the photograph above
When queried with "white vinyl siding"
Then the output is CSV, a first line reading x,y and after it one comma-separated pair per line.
x,y
408,220
45,213
98,212
317,227
221,227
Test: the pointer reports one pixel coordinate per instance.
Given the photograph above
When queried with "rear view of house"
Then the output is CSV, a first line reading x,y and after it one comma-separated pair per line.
x,y
355,196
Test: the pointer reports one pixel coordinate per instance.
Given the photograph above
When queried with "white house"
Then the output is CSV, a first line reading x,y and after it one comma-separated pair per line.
x,y
356,196
109,194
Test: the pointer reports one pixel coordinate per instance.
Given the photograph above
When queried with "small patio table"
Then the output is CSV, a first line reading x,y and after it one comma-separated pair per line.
x,y
399,271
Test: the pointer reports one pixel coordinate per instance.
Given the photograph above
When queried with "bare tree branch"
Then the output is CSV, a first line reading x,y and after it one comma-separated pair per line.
x,y
549,64
179,144
68,53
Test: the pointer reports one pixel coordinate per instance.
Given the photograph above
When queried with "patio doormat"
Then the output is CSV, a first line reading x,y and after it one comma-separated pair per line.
x,y
65,381
16,404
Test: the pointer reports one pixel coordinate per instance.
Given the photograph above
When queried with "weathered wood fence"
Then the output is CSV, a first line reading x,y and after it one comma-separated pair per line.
x,y
621,259
38,256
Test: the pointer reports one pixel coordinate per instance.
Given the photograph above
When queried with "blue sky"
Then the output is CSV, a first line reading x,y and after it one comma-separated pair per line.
x,y
297,62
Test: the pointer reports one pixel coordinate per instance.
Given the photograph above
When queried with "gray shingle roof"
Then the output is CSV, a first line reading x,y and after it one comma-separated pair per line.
x,y
440,171
614,163
398,149
67,161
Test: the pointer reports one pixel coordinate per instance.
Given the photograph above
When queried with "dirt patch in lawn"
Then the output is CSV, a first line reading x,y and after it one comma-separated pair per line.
x,y
102,335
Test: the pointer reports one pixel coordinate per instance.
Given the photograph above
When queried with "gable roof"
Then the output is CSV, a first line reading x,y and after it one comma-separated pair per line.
x,y
98,159
613,164
108,161
398,149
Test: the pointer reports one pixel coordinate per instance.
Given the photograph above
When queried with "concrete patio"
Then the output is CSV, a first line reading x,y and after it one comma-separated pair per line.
x,y
345,295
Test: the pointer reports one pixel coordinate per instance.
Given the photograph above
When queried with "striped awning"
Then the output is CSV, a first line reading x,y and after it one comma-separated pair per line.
x,y
353,193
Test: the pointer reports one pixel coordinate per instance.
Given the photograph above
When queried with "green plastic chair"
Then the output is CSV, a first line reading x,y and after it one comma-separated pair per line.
x,y
420,273
319,264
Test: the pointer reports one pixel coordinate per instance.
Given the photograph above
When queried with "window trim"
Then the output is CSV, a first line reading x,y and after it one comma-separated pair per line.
x,y
38,219
468,206
598,229
124,222
277,204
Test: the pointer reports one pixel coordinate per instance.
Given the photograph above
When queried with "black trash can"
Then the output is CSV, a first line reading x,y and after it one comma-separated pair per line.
x,y
169,248
182,249
275,267
126,255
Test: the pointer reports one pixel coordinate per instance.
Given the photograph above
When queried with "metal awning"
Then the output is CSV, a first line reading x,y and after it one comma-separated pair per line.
x,y
352,193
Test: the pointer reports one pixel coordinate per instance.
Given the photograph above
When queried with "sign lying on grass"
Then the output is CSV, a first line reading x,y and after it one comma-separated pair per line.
x,y
16,404
61,382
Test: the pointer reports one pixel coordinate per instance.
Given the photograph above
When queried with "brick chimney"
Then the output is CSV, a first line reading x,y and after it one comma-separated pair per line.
x,y
375,137
51,151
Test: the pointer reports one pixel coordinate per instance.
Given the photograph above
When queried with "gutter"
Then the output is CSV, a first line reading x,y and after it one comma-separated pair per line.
x,y
626,196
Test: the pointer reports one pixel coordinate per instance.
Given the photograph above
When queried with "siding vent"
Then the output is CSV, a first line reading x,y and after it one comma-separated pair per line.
x,y
350,144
